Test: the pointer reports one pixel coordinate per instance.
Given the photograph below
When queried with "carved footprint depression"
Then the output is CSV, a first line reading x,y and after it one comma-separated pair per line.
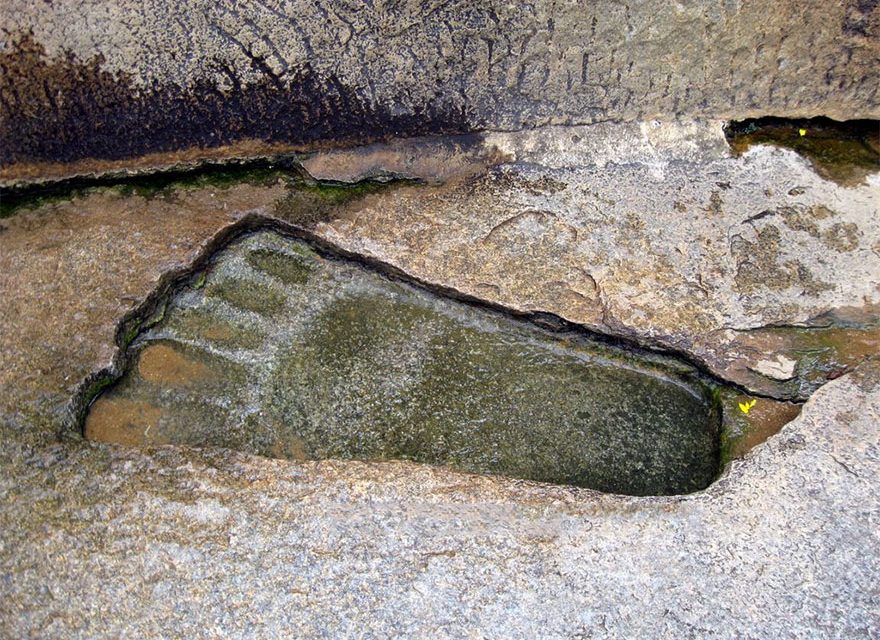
x,y
281,350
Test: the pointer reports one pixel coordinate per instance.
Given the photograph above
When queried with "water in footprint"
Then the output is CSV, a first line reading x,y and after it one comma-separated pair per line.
x,y
282,352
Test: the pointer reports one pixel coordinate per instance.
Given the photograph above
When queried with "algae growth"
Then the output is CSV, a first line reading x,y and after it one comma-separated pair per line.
x,y
289,353
845,152
307,198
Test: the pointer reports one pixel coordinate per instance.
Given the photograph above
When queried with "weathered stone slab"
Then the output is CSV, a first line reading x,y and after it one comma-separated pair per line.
x,y
665,238
100,540
103,84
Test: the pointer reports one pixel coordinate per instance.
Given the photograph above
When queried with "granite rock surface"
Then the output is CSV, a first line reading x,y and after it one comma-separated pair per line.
x,y
673,243
97,85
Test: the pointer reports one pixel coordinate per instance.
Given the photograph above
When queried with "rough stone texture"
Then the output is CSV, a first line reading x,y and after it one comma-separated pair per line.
x,y
781,368
111,80
106,541
648,230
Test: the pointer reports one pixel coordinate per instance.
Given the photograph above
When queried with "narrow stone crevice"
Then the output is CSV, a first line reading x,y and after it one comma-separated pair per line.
x,y
147,183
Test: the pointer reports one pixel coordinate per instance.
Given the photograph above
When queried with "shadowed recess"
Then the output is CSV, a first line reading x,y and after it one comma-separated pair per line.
x,y
66,109
845,152
280,351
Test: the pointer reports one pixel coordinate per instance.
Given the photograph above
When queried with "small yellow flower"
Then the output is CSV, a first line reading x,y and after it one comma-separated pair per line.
x,y
803,132
745,407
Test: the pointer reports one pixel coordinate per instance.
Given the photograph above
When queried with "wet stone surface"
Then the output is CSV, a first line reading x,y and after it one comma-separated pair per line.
x,y
284,353
845,152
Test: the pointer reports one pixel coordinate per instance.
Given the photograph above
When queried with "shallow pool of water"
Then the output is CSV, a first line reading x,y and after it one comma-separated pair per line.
x,y
282,352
